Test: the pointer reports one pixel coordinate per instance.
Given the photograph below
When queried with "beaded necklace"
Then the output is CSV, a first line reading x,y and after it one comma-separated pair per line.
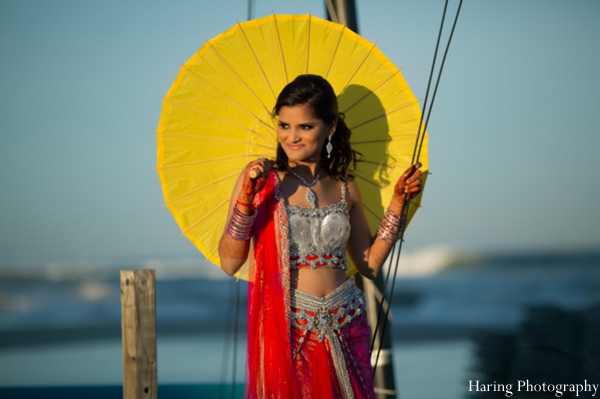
x,y
310,195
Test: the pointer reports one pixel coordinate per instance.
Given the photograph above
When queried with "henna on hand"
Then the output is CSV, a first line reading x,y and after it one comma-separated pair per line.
x,y
409,184
251,186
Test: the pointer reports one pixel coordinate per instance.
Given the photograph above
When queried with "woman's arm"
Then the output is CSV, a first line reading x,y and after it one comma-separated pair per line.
x,y
233,251
367,252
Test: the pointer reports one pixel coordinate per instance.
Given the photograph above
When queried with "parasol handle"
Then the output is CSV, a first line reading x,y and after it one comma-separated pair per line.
x,y
254,173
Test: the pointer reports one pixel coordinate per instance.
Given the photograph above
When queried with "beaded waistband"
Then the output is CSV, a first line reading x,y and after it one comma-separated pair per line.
x,y
324,315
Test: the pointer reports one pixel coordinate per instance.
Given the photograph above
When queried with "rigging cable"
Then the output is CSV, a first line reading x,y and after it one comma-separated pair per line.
x,y
402,212
231,328
235,335
416,154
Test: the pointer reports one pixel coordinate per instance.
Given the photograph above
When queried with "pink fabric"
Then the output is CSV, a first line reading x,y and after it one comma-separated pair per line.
x,y
271,373
314,365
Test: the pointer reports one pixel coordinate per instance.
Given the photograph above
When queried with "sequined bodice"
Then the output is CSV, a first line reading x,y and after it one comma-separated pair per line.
x,y
318,237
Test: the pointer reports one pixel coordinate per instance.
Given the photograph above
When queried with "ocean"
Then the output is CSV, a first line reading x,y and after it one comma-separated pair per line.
x,y
60,323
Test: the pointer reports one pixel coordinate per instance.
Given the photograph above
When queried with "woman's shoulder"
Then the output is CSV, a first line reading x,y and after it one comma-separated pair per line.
x,y
347,180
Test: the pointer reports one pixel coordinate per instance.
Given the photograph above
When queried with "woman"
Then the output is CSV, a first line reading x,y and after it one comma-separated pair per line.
x,y
307,330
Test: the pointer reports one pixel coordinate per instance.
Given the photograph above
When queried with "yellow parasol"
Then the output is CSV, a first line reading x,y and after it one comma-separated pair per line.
x,y
217,116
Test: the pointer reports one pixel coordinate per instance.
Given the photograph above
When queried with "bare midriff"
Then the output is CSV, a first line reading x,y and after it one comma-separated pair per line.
x,y
317,282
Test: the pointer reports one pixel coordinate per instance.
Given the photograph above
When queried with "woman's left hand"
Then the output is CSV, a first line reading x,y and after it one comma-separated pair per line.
x,y
409,185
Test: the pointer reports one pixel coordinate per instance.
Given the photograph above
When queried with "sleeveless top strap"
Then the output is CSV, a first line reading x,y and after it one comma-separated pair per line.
x,y
344,188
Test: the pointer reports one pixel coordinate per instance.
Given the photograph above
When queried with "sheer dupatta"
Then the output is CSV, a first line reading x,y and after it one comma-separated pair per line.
x,y
269,368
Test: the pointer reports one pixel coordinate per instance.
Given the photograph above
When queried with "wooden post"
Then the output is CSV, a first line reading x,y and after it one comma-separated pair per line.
x,y
138,329
383,380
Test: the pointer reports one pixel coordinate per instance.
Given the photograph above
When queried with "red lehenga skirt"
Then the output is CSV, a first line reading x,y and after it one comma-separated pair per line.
x,y
330,342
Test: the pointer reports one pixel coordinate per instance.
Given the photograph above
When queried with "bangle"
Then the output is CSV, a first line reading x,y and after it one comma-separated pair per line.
x,y
240,225
391,227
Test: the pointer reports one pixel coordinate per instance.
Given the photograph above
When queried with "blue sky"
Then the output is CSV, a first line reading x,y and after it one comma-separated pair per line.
x,y
514,130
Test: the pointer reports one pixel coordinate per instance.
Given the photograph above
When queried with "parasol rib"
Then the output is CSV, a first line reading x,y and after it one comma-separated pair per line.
x,y
337,45
285,75
372,90
379,186
375,215
228,65
194,136
219,118
382,164
262,71
272,131
229,97
201,188
307,43
386,140
372,212
382,115
360,64
204,217
178,165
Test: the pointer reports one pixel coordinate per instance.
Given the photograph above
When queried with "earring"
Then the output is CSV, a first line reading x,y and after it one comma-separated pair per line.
x,y
329,147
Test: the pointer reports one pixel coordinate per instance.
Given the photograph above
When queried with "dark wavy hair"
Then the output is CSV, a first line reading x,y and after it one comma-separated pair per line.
x,y
318,94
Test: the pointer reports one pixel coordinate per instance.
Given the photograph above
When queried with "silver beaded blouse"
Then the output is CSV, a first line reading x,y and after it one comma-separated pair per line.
x,y
318,236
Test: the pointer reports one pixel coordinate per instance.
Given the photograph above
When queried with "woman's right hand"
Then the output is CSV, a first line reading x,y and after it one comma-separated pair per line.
x,y
255,177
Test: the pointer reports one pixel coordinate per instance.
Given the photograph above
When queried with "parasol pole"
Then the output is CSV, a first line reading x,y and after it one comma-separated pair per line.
x,y
344,13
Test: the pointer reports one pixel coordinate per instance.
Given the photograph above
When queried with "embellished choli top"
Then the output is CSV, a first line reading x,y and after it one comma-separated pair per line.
x,y
318,236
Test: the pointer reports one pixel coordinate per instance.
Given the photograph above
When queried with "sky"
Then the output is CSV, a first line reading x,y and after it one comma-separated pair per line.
x,y
514,130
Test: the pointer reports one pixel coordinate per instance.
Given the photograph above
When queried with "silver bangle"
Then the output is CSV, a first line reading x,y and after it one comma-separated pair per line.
x,y
391,227
240,225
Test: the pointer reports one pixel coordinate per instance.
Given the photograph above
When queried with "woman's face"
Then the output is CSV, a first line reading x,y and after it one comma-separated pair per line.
x,y
301,134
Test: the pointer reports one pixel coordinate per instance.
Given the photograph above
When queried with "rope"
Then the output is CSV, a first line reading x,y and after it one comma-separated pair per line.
x,y
233,301
395,255
227,340
235,336
419,139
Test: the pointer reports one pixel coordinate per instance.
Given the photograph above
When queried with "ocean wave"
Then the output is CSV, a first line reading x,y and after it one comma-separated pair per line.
x,y
416,263
425,261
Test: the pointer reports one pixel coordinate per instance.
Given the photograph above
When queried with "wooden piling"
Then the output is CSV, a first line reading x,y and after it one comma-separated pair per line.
x,y
138,329
383,380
